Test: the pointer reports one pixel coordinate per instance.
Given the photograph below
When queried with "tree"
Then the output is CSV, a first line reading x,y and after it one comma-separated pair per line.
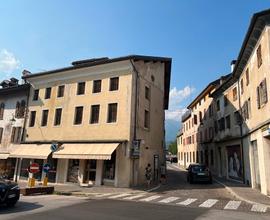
x,y
173,147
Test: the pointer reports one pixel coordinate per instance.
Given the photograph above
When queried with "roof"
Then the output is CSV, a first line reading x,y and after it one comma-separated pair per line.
x,y
213,84
14,89
258,22
105,60
186,115
222,87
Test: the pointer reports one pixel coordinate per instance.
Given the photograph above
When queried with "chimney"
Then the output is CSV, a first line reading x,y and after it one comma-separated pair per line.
x,y
232,65
26,73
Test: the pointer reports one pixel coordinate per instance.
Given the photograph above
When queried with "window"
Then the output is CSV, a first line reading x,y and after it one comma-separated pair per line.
x,y
193,156
94,114
57,116
210,110
204,114
2,109
200,116
147,93
205,135
112,113
60,91
242,86
48,93
218,105
201,156
114,83
96,86
216,126
246,109
81,88
247,77
32,119
262,94
44,120
146,119
221,124
234,94
1,134
20,109
228,121
259,56
237,118
78,115
197,156
36,94
195,119
225,100
211,133
16,135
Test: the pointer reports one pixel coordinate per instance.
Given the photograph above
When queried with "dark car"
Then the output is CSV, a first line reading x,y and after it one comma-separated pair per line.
x,y
9,192
198,173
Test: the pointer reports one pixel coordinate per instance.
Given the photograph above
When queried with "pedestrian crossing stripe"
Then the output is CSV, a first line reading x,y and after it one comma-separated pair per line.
x,y
232,205
151,198
119,196
258,208
187,202
103,195
168,200
134,197
208,203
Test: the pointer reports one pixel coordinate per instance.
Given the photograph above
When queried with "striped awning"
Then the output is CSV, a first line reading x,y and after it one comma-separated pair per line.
x,y
31,151
95,151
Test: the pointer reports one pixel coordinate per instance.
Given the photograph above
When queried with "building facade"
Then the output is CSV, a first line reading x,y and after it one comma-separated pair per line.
x,y
100,121
13,102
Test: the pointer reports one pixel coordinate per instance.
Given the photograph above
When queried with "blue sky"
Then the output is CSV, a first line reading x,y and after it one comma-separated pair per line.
x,y
202,36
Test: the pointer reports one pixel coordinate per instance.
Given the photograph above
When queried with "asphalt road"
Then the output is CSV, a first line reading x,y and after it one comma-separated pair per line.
x,y
80,208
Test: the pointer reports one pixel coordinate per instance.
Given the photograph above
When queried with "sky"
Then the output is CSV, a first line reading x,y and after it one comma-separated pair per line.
x,y
201,36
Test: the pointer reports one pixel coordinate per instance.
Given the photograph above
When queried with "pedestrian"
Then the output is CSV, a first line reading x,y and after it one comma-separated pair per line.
x,y
148,174
162,174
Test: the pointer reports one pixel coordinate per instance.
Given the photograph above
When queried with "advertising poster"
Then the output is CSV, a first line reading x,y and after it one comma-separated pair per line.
x,y
234,162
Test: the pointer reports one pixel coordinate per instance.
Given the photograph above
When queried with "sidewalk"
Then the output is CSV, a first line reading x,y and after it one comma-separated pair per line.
x,y
74,189
244,192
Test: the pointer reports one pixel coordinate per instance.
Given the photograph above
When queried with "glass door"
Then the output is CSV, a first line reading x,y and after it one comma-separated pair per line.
x,y
90,171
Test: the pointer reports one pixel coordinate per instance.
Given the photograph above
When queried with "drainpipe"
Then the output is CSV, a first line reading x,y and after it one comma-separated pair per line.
x,y
135,116
241,132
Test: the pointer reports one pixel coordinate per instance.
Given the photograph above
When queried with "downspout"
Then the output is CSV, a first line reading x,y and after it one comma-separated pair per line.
x,y
135,117
241,132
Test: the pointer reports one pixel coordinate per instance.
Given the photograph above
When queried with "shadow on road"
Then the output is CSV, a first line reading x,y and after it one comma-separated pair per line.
x,y
19,207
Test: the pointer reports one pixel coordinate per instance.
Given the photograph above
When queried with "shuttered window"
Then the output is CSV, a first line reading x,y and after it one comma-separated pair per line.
x,y
259,56
262,97
2,109
16,135
1,134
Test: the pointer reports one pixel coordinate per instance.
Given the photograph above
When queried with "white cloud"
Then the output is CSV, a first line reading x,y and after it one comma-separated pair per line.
x,y
8,62
176,109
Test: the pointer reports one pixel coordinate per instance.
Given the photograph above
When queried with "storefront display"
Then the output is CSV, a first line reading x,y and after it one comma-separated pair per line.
x,y
73,171
109,167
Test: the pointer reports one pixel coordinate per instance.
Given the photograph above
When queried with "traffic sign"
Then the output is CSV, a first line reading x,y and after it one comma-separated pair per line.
x,y
54,147
34,168
46,168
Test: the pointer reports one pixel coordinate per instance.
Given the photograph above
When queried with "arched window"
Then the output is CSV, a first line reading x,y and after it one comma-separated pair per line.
x,y
2,108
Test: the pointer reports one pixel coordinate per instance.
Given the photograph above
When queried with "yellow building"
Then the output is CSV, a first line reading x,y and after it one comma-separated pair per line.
x,y
99,121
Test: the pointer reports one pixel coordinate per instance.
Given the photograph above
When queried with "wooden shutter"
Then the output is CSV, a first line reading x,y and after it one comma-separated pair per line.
x,y
264,92
258,98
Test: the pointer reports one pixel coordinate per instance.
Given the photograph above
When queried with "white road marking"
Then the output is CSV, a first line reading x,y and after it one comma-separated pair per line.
x,y
232,205
187,202
258,208
103,195
148,199
208,203
168,200
135,197
119,196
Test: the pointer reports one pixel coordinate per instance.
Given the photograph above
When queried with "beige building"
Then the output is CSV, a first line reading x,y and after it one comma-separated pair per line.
x,y
99,121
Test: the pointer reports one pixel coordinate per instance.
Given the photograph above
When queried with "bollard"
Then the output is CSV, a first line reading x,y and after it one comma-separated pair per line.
x,y
45,181
31,182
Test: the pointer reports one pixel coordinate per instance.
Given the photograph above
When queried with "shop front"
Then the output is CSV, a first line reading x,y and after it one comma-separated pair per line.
x,y
7,166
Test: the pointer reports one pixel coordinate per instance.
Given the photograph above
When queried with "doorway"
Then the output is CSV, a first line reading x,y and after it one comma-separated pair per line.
x,y
255,161
90,172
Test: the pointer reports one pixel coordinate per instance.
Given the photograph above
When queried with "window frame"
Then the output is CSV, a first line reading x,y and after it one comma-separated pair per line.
x,y
75,122
112,86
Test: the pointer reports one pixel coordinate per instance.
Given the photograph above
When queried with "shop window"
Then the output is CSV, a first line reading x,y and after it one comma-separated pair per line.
x,y
48,93
36,94
24,169
58,116
44,119
94,119
109,167
73,169
96,86
2,109
81,88
60,91
32,119
53,169
78,115
112,113
114,83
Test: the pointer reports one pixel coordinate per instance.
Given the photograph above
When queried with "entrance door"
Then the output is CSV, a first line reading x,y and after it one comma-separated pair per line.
x,y
90,172
256,170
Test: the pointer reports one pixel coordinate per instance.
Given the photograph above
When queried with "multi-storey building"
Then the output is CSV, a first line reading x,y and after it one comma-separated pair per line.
x,y
13,101
99,121
241,117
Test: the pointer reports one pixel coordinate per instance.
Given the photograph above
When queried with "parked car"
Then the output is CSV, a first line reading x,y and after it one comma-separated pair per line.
x,y
198,173
9,192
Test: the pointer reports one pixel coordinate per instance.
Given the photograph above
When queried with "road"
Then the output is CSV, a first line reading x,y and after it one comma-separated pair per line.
x,y
170,201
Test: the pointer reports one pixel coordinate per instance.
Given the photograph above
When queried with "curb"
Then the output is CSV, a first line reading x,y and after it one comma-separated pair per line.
x,y
239,197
